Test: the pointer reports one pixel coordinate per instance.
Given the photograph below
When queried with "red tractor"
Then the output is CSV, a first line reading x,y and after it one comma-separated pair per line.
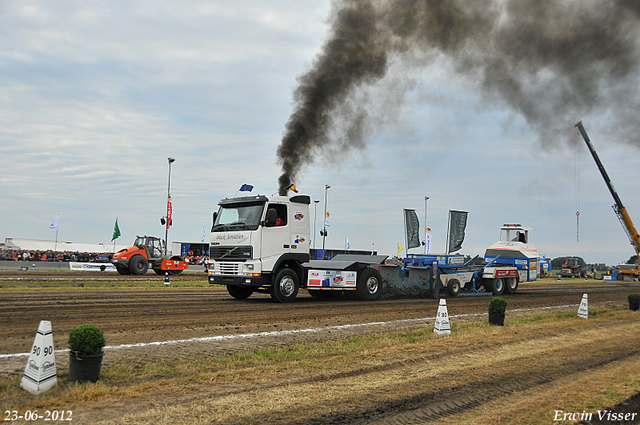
x,y
573,268
147,250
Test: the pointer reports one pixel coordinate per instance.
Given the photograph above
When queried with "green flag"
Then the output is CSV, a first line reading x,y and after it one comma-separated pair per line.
x,y
116,231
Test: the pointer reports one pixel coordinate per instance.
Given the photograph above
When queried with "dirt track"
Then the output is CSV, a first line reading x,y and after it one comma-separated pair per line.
x,y
133,316
130,315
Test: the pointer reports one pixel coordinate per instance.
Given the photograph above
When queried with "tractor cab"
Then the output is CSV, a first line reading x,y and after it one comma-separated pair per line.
x,y
153,246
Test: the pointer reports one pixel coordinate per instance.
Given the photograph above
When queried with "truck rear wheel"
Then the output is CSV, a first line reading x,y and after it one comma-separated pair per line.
x,y
511,285
138,265
453,287
285,286
369,285
239,292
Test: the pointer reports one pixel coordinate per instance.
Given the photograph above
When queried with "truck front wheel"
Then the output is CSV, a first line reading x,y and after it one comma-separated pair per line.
x,y
138,265
369,285
285,286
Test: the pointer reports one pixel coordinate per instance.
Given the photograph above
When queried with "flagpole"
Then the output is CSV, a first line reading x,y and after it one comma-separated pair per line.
x,y
406,236
426,198
166,232
324,233
446,246
55,249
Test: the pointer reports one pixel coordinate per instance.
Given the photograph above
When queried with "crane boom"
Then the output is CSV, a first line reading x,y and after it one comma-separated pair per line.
x,y
618,208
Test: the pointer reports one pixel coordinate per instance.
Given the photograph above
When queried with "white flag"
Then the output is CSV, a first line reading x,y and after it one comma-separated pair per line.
x,y
204,235
54,225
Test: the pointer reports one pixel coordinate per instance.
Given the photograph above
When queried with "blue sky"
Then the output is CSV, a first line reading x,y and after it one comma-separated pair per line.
x,y
94,96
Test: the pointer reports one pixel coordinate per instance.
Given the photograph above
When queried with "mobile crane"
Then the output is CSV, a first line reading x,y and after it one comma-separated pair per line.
x,y
619,209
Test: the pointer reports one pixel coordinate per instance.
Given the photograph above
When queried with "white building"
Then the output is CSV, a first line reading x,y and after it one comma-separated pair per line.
x,y
60,246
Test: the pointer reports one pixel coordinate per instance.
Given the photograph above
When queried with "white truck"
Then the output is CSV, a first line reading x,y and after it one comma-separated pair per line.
x,y
261,244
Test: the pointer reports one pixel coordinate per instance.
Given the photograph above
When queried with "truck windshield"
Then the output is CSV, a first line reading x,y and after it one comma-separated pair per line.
x,y
238,217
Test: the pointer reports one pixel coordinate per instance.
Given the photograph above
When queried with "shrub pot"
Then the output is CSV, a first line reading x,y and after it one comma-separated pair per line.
x,y
634,306
496,319
84,368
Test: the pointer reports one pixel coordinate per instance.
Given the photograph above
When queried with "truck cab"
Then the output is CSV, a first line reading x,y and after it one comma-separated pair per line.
x,y
258,240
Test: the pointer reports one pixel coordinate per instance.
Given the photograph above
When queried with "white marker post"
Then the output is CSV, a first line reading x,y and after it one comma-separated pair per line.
x,y
442,326
40,372
583,311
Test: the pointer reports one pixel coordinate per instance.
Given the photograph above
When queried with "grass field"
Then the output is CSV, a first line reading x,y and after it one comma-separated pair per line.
x,y
232,383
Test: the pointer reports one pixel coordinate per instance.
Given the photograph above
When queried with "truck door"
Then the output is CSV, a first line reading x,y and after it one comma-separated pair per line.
x,y
276,237
299,230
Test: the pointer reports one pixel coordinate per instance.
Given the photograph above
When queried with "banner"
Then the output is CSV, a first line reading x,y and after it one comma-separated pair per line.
x,y
412,228
169,212
457,226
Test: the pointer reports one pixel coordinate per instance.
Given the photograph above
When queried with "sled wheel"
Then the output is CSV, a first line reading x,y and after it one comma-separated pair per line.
x,y
453,287
511,285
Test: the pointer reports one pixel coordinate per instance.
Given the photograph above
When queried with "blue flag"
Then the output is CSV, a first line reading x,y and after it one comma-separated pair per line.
x,y
246,188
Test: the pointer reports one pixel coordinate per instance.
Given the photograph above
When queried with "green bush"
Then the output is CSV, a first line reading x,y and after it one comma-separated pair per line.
x,y
498,305
86,340
634,298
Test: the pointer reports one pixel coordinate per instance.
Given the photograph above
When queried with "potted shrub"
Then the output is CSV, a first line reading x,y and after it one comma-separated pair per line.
x,y
634,301
85,353
497,308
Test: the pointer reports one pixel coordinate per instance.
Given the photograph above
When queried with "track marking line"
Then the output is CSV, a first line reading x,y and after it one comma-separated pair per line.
x,y
280,333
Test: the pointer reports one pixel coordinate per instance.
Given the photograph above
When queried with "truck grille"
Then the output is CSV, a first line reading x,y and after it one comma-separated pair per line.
x,y
226,268
232,253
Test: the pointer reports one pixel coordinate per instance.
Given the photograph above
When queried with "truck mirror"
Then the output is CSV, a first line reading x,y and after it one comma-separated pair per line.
x,y
272,217
215,215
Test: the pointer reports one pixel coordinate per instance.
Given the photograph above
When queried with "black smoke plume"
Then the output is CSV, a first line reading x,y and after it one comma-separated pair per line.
x,y
550,60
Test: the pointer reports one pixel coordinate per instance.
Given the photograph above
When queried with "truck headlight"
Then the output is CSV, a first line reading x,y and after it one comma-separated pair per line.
x,y
249,266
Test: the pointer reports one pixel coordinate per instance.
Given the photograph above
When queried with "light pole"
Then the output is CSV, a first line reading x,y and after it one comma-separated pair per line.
x,y
169,209
315,219
324,227
426,241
